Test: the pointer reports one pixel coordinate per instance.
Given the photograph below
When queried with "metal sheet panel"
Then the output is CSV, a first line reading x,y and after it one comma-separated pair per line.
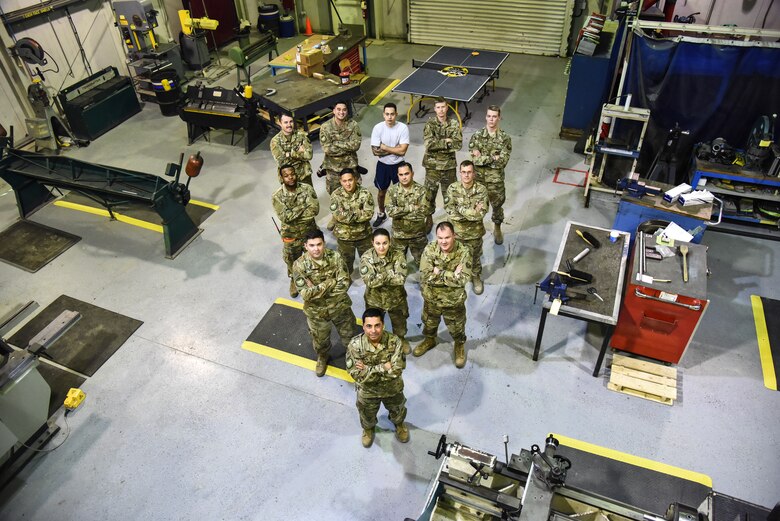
x,y
523,26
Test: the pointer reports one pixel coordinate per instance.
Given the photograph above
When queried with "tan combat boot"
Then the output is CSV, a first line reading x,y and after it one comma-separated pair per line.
x,y
476,282
293,289
460,354
406,347
368,437
424,346
402,433
498,235
322,365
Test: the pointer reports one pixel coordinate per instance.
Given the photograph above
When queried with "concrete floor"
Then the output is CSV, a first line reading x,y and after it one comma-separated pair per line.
x,y
181,423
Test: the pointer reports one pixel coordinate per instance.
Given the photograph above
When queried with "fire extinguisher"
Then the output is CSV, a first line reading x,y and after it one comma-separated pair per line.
x,y
364,8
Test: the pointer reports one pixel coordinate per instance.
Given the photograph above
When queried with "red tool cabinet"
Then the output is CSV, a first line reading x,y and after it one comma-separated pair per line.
x,y
658,319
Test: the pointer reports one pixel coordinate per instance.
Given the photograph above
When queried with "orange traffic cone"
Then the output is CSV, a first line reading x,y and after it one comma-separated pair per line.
x,y
308,32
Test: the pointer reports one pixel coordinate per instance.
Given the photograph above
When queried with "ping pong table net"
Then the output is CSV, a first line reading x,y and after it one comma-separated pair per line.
x,y
453,71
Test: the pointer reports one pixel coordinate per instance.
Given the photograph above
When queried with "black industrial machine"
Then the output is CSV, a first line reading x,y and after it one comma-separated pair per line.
x,y
33,176
214,107
558,482
25,396
99,103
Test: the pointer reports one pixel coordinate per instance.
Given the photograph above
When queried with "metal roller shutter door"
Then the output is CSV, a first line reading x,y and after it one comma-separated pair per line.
x,y
523,26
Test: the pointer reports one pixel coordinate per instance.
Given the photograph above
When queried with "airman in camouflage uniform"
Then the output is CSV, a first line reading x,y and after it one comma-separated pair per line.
x,y
444,271
322,282
490,149
443,138
292,148
352,207
409,207
296,206
466,203
375,360
383,269
340,139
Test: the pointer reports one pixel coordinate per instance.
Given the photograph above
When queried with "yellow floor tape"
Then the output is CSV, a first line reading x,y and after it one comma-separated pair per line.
x,y
384,92
663,468
124,218
764,347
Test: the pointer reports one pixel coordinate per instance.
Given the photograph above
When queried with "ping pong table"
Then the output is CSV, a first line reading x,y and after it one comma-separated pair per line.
x,y
455,74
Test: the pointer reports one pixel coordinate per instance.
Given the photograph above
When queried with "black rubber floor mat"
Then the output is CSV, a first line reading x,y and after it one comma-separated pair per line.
x,y
766,315
373,86
283,329
644,484
89,342
60,382
31,246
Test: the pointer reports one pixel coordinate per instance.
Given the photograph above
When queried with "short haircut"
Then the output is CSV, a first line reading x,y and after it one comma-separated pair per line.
x,y
439,99
380,231
285,167
445,224
390,106
374,312
314,234
288,115
406,163
340,103
495,108
467,162
348,170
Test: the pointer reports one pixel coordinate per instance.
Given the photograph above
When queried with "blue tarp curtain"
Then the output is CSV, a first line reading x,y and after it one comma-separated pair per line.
x,y
711,90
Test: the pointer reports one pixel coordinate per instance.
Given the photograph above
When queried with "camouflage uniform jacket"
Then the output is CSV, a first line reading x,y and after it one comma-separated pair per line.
x,y
296,210
500,144
384,278
409,209
328,293
445,289
281,145
340,144
375,381
461,206
438,155
352,213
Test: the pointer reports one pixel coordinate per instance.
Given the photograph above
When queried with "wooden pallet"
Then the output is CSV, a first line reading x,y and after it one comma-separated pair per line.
x,y
647,380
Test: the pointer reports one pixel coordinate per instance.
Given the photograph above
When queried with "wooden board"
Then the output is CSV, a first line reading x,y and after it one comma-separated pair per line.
x,y
644,379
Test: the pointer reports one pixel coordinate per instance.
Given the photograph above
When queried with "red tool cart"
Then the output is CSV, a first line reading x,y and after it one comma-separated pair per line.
x,y
658,319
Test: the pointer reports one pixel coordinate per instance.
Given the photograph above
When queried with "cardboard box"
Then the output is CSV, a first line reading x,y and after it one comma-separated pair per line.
x,y
309,70
309,57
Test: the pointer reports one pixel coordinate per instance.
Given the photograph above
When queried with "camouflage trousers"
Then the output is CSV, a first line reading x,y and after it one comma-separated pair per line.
x,y
434,178
291,250
332,180
347,250
415,245
475,247
397,314
497,197
319,329
454,318
368,407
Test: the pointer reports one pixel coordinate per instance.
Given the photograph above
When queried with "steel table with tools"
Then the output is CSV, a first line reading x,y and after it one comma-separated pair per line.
x,y
607,265
458,75
302,97
341,46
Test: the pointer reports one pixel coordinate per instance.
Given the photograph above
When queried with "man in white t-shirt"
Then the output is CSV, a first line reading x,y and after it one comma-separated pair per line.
x,y
389,142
